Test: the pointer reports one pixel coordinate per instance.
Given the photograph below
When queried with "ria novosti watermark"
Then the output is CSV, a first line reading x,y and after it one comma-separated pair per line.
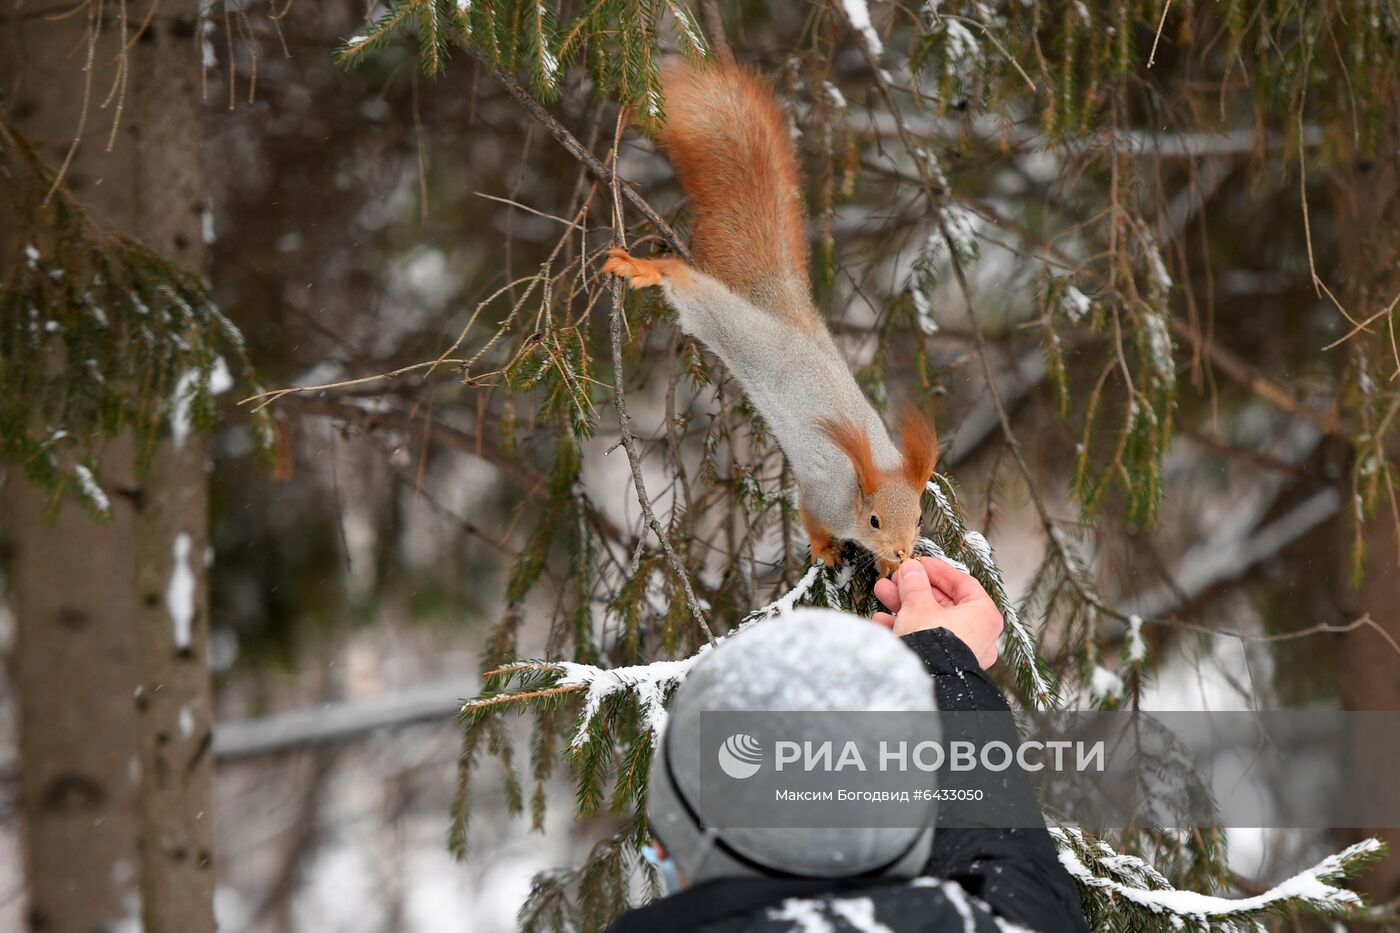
x,y
1300,769
741,756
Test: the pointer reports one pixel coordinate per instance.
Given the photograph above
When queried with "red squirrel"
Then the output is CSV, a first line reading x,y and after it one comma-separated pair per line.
x,y
749,300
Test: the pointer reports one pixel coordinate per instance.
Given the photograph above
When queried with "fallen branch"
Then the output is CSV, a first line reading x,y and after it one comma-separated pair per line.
x,y
338,722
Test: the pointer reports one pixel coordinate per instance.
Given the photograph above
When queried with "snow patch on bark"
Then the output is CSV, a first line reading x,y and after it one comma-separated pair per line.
x,y
179,594
186,722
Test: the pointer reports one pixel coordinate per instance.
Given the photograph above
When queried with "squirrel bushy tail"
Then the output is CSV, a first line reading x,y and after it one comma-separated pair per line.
x,y
732,149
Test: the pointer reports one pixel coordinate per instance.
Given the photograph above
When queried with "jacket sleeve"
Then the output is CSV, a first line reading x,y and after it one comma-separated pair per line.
x,y
1017,872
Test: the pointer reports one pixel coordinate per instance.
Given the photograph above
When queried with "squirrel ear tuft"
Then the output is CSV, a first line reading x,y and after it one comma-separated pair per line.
x,y
920,446
854,441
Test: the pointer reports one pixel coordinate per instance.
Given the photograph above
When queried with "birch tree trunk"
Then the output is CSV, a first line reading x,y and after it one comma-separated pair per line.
x,y
132,683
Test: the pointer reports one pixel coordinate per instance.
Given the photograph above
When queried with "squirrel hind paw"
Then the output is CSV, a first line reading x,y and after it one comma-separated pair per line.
x,y
640,273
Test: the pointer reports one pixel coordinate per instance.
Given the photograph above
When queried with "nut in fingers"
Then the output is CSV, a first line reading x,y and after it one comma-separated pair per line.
x,y
639,273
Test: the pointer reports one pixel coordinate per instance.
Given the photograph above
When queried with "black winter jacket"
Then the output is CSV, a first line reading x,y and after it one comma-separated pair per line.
x,y
975,879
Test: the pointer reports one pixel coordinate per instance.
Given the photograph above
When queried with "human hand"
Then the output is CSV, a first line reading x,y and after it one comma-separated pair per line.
x,y
931,593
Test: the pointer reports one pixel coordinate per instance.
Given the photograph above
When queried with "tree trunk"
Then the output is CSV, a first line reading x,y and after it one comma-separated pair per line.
x,y
1367,201
71,590
173,705
141,663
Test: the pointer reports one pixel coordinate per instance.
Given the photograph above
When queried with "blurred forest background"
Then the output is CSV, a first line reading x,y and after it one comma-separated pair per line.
x,y
1171,411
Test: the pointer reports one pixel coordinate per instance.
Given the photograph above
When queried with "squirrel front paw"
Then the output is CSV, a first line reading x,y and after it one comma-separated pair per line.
x,y
825,548
827,552
640,273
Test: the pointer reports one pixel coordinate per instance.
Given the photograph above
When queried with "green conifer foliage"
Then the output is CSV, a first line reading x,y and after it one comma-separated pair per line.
x,y
98,335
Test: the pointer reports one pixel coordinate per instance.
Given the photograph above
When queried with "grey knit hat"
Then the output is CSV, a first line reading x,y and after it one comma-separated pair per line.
x,y
810,660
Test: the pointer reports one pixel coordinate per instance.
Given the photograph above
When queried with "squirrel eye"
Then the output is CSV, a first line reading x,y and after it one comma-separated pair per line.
x,y
874,521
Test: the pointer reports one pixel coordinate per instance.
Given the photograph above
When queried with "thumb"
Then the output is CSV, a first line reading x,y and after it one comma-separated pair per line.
x,y
915,591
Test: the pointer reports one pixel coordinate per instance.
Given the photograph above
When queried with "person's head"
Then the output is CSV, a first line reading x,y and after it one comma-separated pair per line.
x,y
812,660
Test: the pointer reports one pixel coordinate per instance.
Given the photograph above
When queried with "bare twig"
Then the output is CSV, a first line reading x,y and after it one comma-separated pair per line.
x,y
1152,56
530,210
577,150
629,444
1319,286
1363,325
94,29
263,399
1322,628
624,420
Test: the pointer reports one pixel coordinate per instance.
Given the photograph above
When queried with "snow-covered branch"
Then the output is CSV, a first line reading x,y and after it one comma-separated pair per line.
x,y
1096,865
650,683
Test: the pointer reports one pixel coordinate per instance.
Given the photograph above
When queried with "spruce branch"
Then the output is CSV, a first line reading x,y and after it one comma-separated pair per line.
x,y
98,335
1137,897
969,551
649,685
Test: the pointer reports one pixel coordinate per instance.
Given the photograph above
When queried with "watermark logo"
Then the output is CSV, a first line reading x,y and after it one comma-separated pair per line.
x,y
740,756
